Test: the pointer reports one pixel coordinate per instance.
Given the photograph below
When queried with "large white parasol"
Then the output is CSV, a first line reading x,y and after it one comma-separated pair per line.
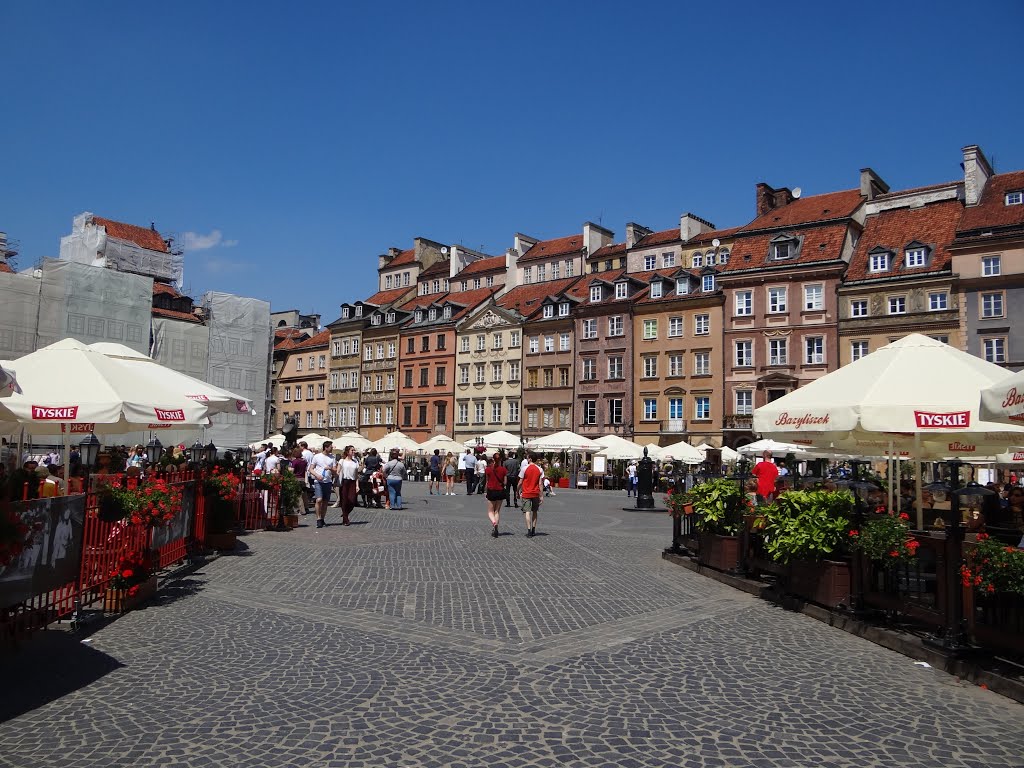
x,y
398,440
682,451
618,448
564,441
499,439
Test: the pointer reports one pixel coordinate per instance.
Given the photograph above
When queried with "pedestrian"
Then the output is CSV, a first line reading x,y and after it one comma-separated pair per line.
x,y
529,491
435,473
450,470
469,462
349,480
307,478
323,468
300,468
512,481
462,465
371,463
272,462
495,475
395,472
631,479
767,474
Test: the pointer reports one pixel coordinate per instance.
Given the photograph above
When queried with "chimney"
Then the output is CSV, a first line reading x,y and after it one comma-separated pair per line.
x,y
768,198
634,233
691,225
522,243
871,184
595,236
386,258
976,173
511,263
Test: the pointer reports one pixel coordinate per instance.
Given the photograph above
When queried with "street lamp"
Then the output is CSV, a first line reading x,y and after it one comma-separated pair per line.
x,y
244,454
154,450
210,453
195,453
89,449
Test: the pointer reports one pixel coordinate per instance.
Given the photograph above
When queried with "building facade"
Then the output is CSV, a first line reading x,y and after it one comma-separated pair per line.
x,y
301,389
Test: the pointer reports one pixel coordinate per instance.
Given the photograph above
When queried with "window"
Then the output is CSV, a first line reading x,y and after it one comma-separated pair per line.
x,y
992,305
513,371
615,367
298,363
319,391
447,313
440,342
897,305
309,419
405,278
590,328
859,308
465,285
650,262
495,341
650,366
991,266
549,311
531,382
622,290
650,329
476,281
480,373
563,376
702,408
440,376
938,301
389,317
542,273
359,311
941,337
698,260
481,342
701,325
336,348
615,325
556,270
367,383
549,343
878,262
407,416
375,320
410,346
744,402
995,350
708,283
914,257
496,412
615,410
346,349
595,293
432,313
682,286
387,282
547,416
464,344
376,416
513,411
355,351
531,418
334,381
527,275
366,415
590,411
814,297
650,408
549,378
298,393
393,349
287,394
701,363
496,372
744,354
777,352
534,344
312,362
463,374
424,376
479,413
656,289
568,268
723,256
675,327
814,350
332,417
380,351
463,413
858,349
1015,198
344,313
378,383
513,339
675,364
563,342
668,259
563,309
744,303
776,299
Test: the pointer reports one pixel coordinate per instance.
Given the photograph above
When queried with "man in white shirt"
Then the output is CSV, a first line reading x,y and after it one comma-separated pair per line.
x,y
261,457
470,461
323,469
462,465
272,462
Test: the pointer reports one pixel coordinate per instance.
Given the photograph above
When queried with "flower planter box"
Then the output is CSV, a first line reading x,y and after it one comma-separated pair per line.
x,y
563,482
292,521
119,601
826,583
719,552
222,542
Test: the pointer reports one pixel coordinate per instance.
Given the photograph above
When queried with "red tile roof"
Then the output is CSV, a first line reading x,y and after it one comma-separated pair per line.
x,y
405,257
5,267
290,333
992,212
672,236
470,300
707,237
175,315
807,210
822,243
612,249
383,298
483,266
160,289
547,248
437,269
322,339
419,302
581,290
526,299
141,236
934,225
915,190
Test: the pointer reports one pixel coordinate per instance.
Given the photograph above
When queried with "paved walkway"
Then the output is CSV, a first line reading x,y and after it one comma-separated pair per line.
x,y
414,639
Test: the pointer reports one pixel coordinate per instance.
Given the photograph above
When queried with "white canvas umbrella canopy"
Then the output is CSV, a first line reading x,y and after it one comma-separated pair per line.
x,y
618,448
216,399
499,439
654,450
354,439
275,440
682,451
1003,401
314,438
8,382
564,441
728,454
398,440
777,448
442,443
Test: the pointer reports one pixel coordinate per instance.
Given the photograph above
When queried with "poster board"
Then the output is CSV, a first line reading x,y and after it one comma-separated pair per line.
x,y
600,465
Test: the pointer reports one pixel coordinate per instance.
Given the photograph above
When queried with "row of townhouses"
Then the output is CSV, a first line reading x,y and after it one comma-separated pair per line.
x,y
667,335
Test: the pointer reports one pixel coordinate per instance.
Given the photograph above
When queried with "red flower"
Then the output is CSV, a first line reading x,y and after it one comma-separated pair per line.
x,y
854,534
127,573
904,516
133,590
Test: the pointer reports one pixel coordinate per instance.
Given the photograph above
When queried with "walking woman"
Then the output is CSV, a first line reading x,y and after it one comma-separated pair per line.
x,y
395,473
349,482
495,475
450,470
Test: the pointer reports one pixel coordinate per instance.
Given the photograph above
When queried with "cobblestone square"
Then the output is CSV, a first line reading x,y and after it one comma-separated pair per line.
x,y
412,638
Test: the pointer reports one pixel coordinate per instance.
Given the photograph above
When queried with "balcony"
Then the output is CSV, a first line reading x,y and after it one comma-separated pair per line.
x,y
738,421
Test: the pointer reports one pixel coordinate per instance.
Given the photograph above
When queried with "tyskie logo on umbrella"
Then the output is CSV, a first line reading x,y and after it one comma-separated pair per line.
x,y
78,428
958,447
172,415
241,406
63,413
955,420
200,398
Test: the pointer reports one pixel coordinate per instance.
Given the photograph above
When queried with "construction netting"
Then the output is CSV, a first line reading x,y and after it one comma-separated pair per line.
x,y
89,244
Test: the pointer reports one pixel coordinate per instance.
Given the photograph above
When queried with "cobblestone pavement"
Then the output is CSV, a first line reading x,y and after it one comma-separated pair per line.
x,y
412,638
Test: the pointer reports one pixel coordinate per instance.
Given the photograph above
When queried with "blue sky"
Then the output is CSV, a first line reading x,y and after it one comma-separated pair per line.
x,y
296,141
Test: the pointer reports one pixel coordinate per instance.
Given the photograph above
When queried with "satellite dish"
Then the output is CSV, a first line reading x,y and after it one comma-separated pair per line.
x,y
716,242
797,192
444,249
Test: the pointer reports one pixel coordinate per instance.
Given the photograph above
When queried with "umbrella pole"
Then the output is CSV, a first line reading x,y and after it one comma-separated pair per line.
x,y
917,480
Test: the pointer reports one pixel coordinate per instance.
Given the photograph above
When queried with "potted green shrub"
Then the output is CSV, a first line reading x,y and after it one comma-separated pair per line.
x,y
718,507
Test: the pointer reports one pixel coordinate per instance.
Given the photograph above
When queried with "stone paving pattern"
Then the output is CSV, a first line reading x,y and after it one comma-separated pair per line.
x,y
412,638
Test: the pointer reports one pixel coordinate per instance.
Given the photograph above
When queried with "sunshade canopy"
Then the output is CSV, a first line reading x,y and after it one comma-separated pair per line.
x,y
564,441
618,448
682,451
499,439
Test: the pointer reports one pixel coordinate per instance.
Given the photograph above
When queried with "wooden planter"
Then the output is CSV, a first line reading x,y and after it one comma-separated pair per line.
x,y
826,583
119,601
292,521
222,542
719,552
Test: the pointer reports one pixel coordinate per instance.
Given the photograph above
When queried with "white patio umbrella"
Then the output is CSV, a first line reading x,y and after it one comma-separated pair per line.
x,y
499,439
654,450
442,443
275,440
354,439
314,438
1003,401
8,382
398,440
217,399
777,448
564,441
728,454
618,448
682,451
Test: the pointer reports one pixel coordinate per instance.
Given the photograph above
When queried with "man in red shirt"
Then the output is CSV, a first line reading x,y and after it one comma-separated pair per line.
x,y
766,473
530,480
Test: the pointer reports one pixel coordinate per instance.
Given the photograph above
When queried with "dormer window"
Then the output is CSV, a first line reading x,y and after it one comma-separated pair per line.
x,y
708,283
878,260
464,285
419,315
650,262
549,311
563,309
390,317
783,248
432,313
682,286
375,320
656,289
344,313
423,289
621,290
915,255
698,260
359,311
387,282
723,256
595,293
447,312
436,286
1015,198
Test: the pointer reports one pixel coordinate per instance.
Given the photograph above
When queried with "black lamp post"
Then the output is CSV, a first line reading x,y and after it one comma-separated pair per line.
x,y
244,454
195,453
89,449
210,453
154,450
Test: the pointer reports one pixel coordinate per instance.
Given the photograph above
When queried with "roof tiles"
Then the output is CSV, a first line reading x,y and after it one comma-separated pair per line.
x,y
383,298
483,266
557,247
141,236
823,243
526,299
992,212
405,257
808,210
322,339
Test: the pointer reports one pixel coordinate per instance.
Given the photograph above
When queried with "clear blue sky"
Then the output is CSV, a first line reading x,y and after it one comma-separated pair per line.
x,y
297,141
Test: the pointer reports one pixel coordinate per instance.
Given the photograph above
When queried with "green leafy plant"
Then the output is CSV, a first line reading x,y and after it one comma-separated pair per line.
x,y
719,505
806,525
678,503
993,567
554,474
886,539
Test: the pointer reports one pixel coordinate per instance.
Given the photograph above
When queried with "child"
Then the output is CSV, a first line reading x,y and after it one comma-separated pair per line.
x,y
379,489
547,487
